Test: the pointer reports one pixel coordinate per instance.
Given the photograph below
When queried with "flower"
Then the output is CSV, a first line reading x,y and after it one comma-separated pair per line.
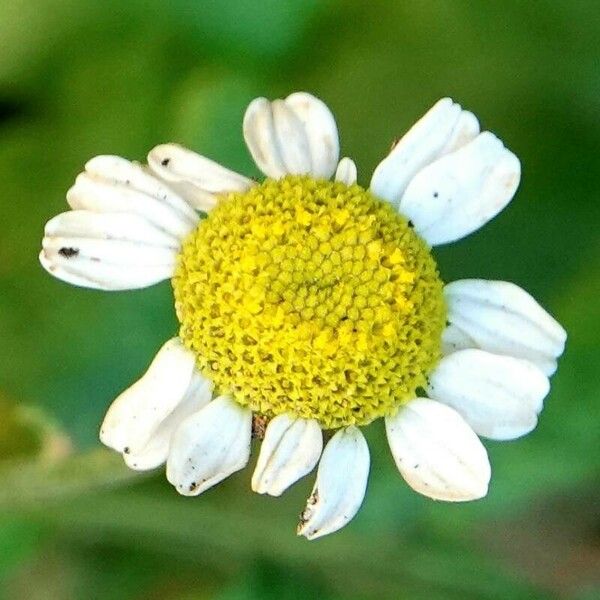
x,y
310,304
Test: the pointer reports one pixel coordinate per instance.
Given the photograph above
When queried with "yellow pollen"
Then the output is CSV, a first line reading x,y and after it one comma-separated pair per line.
x,y
313,298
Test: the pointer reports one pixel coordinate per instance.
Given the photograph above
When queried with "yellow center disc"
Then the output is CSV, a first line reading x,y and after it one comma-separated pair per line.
x,y
313,298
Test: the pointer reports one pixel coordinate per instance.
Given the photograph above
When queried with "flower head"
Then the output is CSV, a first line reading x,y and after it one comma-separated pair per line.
x,y
314,304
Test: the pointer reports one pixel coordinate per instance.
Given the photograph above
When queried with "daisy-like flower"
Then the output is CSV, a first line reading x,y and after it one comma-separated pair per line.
x,y
310,304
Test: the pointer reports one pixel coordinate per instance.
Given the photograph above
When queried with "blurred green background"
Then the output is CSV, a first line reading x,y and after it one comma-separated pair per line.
x,y
83,77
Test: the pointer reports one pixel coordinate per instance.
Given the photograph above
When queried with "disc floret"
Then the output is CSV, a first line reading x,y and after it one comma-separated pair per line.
x,y
313,298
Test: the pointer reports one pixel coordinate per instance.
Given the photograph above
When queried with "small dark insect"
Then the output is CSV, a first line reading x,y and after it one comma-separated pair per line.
x,y
411,224
68,252
165,161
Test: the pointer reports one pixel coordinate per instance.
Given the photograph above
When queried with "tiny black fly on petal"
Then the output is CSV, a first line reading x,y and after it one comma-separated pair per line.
x,y
68,252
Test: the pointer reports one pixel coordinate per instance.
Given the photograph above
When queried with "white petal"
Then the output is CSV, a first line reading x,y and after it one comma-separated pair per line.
x,y
134,417
109,226
87,272
340,487
501,317
454,338
462,191
437,453
261,138
195,178
98,250
465,130
72,250
209,446
443,128
346,171
155,452
109,264
297,135
114,184
290,450
499,396
321,131
291,137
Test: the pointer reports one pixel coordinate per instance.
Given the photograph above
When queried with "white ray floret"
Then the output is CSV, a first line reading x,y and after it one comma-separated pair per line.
x,y
124,232
297,135
340,486
454,338
109,226
195,178
290,450
501,317
321,131
346,171
465,129
128,253
437,453
98,250
140,422
444,128
93,274
261,138
209,446
499,396
292,139
462,191
114,184
155,452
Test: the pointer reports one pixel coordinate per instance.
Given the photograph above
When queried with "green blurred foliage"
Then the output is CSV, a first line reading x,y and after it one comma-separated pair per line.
x,y
79,78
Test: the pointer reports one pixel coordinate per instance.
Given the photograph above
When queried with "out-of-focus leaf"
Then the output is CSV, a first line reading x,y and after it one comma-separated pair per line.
x,y
225,534
551,542
35,483
590,593
268,581
19,540
27,433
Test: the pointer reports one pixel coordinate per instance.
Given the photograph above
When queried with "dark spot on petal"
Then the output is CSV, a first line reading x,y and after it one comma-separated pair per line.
x,y
68,252
165,161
